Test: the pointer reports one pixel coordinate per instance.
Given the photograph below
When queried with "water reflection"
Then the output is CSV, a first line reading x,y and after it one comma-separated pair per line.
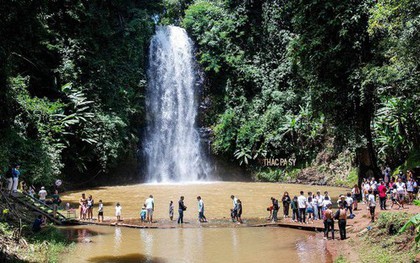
x,y
235,244
147,243
307,247
117,239
197,245
129,258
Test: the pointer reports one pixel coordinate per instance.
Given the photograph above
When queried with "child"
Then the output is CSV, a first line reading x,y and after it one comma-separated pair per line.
x,y
101,211
118,209
84,211
294,205
270,210
171,210
394,197
143,214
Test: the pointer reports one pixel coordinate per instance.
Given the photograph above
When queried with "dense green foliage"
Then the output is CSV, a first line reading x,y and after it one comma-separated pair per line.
x,y
282,77
72,76
290,74
385,243
415,223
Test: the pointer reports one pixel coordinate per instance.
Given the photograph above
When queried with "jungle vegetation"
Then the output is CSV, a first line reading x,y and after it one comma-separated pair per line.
x,y
282,78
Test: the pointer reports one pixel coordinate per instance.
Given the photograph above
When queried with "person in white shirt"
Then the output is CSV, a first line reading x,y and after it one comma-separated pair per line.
x,y
201,216
326,203
349,201
302,207
100,211
372,205
320,200
233,211
410,189
42,194
118,209
315,207
402,191
150,207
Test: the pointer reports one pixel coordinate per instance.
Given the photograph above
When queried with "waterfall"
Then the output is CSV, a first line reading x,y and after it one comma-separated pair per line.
x,y
172,142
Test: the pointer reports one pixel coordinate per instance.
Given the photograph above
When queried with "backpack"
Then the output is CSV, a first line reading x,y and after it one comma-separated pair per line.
x,y
8,173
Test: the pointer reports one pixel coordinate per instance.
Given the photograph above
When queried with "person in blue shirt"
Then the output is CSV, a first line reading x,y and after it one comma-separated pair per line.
x,y
143,214
15,176
38,223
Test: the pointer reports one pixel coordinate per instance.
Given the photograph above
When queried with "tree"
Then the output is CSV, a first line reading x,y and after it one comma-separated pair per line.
x,y
331,47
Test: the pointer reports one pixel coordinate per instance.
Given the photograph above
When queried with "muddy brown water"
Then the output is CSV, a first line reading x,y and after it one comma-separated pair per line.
x,y
120,244
255,198
193,243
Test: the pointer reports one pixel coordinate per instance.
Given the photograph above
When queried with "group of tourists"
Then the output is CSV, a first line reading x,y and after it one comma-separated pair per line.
x,y
305,209
12,177
86,208
315,206
146,212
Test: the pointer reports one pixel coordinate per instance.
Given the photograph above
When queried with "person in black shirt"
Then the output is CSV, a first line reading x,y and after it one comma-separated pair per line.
x,y
286,202
38,224
181,210
275,208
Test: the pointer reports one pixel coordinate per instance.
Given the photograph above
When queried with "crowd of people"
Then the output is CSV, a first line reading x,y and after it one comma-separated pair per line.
x,y
303,209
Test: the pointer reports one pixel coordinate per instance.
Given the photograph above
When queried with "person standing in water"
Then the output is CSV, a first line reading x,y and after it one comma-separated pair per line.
x,y
150,208
171,210
181,209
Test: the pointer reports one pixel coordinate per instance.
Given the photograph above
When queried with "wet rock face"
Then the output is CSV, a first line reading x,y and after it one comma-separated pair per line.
x,y
311,176
206,134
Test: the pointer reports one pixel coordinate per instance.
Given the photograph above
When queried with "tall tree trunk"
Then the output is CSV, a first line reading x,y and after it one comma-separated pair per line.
x,y
366,155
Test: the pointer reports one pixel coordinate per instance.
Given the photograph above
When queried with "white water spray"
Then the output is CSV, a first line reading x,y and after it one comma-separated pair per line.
x,y
172,143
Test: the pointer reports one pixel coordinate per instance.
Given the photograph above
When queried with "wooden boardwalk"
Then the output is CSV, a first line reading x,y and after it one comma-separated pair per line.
x,y
318,226
306,227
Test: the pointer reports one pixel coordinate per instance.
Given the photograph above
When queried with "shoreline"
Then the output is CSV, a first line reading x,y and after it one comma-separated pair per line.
x,y
337,249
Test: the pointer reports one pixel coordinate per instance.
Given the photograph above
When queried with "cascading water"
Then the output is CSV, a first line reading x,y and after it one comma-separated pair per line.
x,y
172,143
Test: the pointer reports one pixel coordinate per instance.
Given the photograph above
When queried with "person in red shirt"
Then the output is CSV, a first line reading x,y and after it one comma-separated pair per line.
x,y
382,195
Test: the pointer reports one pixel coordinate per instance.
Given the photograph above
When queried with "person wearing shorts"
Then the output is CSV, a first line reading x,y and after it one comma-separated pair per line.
x,y
101,211
401,189
150,207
